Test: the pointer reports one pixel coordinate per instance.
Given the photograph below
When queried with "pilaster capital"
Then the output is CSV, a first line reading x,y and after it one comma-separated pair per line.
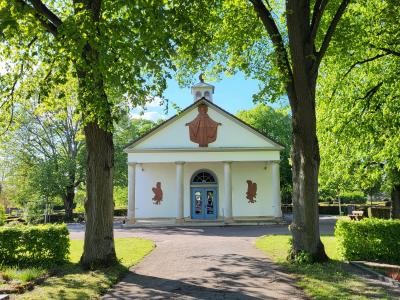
x,y
180,162
132,164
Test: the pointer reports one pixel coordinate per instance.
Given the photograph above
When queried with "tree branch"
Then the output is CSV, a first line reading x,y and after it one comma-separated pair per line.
x,y
331,30
96,9
361,62
272,29
387,50
42,9
357,63
45,16
318,11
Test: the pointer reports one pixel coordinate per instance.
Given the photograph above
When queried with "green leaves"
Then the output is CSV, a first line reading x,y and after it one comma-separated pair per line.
x,y
44,245
358,107
370,239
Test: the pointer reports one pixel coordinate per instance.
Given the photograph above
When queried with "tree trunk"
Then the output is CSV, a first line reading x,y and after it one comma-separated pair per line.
x,y
305,167
395,197
99,247
305,151
69,202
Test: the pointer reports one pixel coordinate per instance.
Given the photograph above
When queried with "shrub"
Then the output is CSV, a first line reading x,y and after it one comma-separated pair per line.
x,y
120,212
120,196
326,195
369,239
37,245
379,212
353,197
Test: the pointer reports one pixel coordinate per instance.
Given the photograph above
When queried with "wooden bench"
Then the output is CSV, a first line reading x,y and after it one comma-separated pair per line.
x,y
357,215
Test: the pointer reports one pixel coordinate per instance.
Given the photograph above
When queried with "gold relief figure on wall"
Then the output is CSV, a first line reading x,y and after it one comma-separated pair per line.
x,y
203,129
158,193
251,191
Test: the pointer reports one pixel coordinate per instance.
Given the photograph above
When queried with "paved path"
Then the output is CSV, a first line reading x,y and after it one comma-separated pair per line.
x,y
206,263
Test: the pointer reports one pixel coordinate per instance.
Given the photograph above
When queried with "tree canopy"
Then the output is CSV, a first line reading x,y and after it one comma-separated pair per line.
x,y
358,107
118,51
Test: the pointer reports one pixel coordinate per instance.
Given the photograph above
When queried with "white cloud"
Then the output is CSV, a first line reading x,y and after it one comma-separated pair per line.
x,y
149,115
155,103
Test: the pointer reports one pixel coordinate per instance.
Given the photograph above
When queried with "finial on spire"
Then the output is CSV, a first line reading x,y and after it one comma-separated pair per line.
x,y
201,77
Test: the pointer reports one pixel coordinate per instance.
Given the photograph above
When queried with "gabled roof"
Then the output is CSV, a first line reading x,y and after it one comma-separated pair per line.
x,y
189,108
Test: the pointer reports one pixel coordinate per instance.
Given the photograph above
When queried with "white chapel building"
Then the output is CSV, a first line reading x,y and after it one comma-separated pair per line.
x,y
203,164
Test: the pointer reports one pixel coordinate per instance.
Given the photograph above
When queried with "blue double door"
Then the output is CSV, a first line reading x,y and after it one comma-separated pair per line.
x,y
204,203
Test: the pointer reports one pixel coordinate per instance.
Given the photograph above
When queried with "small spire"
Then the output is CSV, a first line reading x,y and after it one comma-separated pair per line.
x,y
201,77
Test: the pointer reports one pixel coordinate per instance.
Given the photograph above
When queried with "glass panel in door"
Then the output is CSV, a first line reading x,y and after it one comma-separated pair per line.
x,y
210,203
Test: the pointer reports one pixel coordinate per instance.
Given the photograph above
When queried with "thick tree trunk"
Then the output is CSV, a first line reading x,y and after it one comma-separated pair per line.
x,y
99,247
305,167
395,197
69,202
305,151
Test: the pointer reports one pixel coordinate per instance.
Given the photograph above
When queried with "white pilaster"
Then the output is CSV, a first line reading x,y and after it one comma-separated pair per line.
x,y
179,191
228,191
276,190
131,192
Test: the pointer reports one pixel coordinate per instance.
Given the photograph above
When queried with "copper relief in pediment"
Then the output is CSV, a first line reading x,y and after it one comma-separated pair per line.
x,y
203,129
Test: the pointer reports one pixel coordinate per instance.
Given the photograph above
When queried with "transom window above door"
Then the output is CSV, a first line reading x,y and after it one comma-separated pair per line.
x,y
203,177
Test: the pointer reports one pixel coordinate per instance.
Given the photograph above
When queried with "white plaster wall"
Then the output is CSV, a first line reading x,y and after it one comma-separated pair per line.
x,y
260,173
230,134
166,174
147,176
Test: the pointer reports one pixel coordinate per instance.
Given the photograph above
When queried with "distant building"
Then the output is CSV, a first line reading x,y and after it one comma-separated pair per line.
x,y
203,164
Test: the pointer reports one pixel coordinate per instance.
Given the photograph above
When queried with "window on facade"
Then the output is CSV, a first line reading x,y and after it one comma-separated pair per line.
x,y
198,95
204,177
207,95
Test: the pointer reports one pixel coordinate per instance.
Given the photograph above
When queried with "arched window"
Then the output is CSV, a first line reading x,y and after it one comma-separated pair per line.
x,y
204,177
207,94
198,95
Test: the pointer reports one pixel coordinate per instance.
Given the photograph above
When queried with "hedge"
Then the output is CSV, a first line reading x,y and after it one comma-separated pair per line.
x,y
34,245
353,197
379,212
370,239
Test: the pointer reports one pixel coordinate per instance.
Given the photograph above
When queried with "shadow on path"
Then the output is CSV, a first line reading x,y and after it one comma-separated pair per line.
x,y
136,286
233,276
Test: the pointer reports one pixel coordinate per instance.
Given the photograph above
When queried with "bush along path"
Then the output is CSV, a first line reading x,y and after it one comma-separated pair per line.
x,y
40,262
370,239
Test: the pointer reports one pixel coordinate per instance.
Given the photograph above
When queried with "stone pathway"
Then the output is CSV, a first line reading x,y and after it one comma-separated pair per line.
x,y
205,263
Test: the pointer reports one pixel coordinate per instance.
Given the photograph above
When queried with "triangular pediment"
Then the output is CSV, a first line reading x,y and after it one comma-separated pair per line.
x,y
231,133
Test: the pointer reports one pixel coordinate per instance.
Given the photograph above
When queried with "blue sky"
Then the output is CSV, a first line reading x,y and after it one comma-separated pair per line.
x,y
231,93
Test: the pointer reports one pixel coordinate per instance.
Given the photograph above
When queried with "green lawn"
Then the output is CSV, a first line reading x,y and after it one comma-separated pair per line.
x,y
71,282
331,280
